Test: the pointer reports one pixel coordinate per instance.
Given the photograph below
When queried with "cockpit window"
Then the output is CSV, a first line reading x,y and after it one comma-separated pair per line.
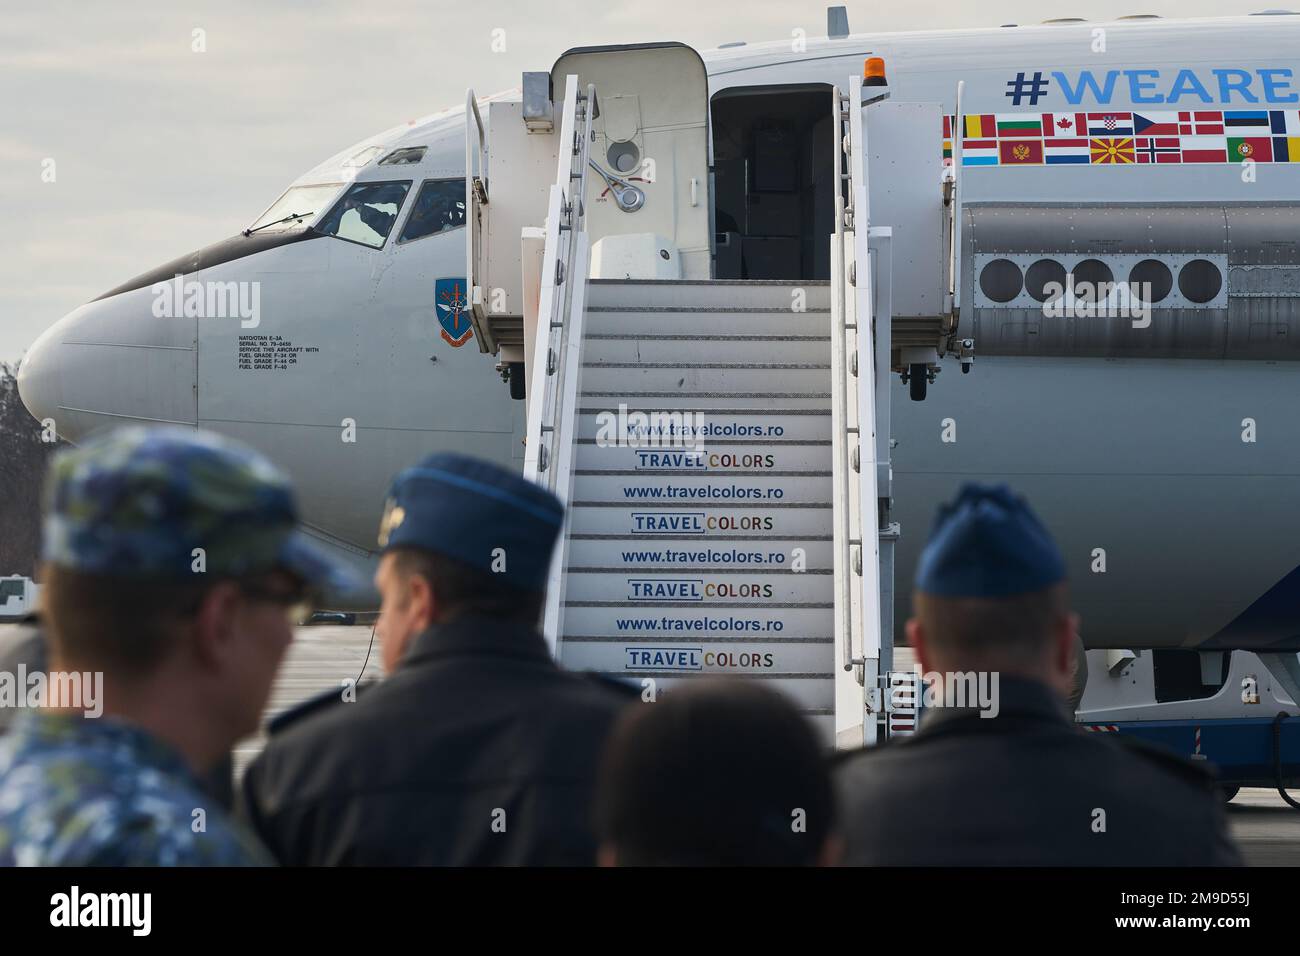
x,y
298,205
439,206
405,156
366,213
362,156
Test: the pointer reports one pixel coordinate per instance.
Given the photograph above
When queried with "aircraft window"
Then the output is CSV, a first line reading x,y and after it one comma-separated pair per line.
x,y
366,213
1155,275
1092,280
404,156
1000,280
439,206
1200,280
1040,275
303,202
363,156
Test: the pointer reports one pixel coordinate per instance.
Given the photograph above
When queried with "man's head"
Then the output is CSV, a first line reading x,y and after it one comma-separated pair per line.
x,y
421,588
719,772
461,535
171,563
990,592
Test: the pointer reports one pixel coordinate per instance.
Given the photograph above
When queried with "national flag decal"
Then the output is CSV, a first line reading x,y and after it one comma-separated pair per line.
x,y
980,127
1286,149
1258,149
1155,124
1019,126
1112,151
1020,152
1121,138
1157,149
1110,124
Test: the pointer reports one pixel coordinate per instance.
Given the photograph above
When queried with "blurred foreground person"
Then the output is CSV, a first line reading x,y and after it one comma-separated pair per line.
x,y
477,749
23,646
720,772
170,563
998,774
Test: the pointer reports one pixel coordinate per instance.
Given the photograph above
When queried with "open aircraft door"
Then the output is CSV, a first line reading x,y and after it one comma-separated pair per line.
x,y
648,202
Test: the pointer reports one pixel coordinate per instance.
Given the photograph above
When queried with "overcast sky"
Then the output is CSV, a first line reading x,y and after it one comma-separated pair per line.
x,y
159,150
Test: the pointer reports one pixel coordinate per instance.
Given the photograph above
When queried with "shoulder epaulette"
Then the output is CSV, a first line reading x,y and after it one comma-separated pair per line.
x,y
315,704
622,686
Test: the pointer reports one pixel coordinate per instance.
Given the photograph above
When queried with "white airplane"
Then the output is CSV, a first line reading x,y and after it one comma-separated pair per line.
x,y
1166,152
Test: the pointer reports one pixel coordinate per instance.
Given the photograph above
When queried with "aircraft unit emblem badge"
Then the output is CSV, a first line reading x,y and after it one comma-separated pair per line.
x,y
451,304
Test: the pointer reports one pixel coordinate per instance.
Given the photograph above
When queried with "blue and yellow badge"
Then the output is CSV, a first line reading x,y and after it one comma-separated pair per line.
x,y
451,304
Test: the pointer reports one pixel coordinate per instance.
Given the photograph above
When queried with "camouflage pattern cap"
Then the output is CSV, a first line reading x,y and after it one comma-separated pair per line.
x,y
154,502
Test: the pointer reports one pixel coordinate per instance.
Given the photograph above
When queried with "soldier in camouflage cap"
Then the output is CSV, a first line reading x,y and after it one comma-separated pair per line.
x,y
172,571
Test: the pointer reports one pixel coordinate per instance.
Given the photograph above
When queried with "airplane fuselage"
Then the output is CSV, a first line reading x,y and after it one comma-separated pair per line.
x,y
1166,464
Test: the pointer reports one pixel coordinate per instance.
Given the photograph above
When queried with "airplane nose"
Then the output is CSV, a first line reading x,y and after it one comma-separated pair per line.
x,y
38,384
111,362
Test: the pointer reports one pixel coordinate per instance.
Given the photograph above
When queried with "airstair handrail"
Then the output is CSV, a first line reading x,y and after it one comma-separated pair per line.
x,y
864,460
955,209
856,528
840,434
556,361
472,110
476,196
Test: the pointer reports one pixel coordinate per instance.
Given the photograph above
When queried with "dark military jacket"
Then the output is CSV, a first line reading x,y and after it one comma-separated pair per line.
x,y
477,750
1027,787
77,791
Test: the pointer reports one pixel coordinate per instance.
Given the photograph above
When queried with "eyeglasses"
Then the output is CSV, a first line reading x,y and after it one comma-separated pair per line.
x,y
296,602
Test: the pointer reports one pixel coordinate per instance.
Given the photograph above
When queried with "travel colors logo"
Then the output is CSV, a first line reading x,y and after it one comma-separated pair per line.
x,y
130,910
696,659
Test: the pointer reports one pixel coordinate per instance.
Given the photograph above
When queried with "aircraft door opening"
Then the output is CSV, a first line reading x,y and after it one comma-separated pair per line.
x,y
773,182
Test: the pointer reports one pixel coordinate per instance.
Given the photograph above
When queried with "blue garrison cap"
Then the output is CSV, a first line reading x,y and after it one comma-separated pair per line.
x,y
987,543
476,512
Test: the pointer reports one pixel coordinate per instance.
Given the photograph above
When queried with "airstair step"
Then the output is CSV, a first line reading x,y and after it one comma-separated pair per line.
x,y
721,458
816,400
745,489
654,655
711,321
702,350
682,621
703,587
707,425
813,692
732,293
768,380
703,520
623,552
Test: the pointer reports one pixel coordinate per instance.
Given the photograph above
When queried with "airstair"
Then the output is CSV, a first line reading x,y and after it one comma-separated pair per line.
x,y
701,527
722,445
